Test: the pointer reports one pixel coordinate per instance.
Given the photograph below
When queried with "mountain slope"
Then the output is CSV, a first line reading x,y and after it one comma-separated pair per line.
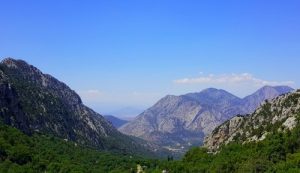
x,y
253,101
116,122
35,102
279,114
278,152
38,153
181,121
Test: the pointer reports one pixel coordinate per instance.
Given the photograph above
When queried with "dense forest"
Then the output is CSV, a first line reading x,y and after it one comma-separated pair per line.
x,y
39,153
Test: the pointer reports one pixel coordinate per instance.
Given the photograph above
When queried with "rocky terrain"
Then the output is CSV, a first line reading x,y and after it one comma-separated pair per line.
x,y
279,114
177,122
38,103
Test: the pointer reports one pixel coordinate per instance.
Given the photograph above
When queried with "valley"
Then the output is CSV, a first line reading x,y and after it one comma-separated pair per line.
x,y
46,128
149,86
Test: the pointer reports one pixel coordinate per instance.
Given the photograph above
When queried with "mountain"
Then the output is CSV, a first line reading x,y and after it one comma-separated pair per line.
x,y
177,122
254,100
116,122
265,141
279,151
280,114
38,103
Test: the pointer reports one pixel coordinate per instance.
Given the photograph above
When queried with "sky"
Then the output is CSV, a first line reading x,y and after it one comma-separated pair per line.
x,y
117,54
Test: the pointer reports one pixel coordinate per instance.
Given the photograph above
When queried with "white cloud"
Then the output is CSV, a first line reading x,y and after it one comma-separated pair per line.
x,y
231,79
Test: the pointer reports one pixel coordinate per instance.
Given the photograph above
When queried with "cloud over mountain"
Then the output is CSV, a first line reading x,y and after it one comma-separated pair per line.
x,y
231,79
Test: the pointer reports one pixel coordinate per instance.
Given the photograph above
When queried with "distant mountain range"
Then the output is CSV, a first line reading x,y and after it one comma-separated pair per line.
x,y
38,103
116,122
177,122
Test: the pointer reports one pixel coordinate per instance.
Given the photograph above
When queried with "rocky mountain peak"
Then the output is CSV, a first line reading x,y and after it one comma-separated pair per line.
x,y
213,96
279,114
273,89
184,120
21,64
21,70
269,90
210,90
9,62
168,98
283,89
254,100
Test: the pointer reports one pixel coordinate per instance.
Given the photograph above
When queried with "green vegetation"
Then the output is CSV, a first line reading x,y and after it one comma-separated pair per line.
x,y
40,153
280,152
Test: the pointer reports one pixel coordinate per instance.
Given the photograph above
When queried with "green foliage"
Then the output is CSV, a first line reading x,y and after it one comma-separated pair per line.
x,y
40,153
279,152
291,100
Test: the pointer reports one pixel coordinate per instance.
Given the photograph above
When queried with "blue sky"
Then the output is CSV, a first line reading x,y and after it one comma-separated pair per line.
x,y
131,53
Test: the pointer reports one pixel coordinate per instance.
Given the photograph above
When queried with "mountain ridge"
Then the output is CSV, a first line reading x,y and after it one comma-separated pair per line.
x,y
36,102
193,114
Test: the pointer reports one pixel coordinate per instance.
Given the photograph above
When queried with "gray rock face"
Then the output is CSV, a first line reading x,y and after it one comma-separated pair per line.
x,y
35,102
279,114
181,121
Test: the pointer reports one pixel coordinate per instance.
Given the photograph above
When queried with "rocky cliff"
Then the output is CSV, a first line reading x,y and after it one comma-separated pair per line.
x,y
279,114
